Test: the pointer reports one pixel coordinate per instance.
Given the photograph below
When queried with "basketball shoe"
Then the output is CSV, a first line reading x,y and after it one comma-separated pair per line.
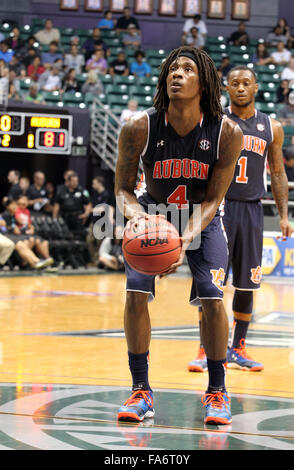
x,y
238,358
199,364
137,407
218,410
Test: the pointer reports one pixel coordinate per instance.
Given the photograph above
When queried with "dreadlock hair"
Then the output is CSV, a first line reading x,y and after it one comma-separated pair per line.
x,y
209,82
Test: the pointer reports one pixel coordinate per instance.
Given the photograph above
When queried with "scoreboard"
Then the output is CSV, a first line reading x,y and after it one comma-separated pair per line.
x,y
35,133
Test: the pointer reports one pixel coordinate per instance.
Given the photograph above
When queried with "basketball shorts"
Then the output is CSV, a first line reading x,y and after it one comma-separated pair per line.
x,y
243,222
207,264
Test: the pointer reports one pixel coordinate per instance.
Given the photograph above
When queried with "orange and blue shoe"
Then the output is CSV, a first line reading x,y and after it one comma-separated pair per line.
x,y
218,410
138,407
238,358
199,364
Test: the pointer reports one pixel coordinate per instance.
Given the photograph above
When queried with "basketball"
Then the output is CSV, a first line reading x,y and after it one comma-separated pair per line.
x,y
152,245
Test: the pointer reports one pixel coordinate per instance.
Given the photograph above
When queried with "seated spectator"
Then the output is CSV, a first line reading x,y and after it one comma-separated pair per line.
x,y
261,55
13,94
110,252
48,58
140,68
12,78
74,59
281,56
288,72
5,53
37,194
14,190
282,92
24,184
35,69
70,83
194,39
23,242
119,66
93,84
23,216
125,20
73,203
190,23
107,22
97,62
286,113
34,95
16,66
276,36
131,38
50,188
225,65
240,37
131,111
29,56
14,41
89,46
48,34
51,80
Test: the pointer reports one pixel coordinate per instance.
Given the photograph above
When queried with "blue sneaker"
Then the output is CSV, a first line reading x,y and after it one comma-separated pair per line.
x,y
200,363
238,358
137,407
218,410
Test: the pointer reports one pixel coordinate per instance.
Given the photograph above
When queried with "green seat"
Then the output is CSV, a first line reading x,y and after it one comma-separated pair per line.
x,y
25,83
269,77
52,96
155,61
113,42
143,101
124,80
240,59
129,53
114,50
217,48
289,130
142,90
120,89
105,79
156,54
82,77
73,97
267,108
118,100
151,81
67,32
214,40
108,34
269,96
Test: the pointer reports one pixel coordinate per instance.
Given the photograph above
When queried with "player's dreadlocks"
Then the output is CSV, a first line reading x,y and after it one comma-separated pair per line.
x,y
209,82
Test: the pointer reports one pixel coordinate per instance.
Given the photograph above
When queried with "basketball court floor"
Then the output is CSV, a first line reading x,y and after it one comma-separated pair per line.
x,y
64,369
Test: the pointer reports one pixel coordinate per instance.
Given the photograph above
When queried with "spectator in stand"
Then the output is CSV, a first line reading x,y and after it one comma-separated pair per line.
x,y
110,252
102,205
35,69
91,43
197,22
97,62
129,112
240,37
132,37
14,190
74,59
140,68
51,80
48,58
288,72
93,84
70,83
50,188
286,114
37,194
282,92
48,34
107,22
14,41
281,56
34,96
16,66
73,203
28,58
276,36
5,53
225,65
195,39
24,184
12,78
261,55
125,20
13,93
23,216
120,65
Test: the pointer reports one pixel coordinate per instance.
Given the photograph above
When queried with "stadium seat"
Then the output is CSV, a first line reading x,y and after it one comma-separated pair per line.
x,y
289,131
124,80
105,79
25,83
268,77
108,34
217,48
214,40
151,81
52,97
143,102
142,90
120,89
118,100
73,98
239,59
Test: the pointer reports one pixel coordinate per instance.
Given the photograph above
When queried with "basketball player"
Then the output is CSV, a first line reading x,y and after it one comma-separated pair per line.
x,y
189,151
243,219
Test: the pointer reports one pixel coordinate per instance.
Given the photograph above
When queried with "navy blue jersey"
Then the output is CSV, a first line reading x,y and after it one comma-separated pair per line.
x,y
177,169
249,182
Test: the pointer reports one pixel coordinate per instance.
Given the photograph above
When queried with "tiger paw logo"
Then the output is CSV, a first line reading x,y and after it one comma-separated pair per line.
x,y
256,275
218,278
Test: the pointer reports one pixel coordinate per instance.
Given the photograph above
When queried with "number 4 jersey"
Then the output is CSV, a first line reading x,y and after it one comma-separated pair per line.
x,y
249,182
177,169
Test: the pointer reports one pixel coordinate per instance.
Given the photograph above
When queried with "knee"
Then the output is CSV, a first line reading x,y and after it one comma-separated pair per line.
x,y
136,302
212,307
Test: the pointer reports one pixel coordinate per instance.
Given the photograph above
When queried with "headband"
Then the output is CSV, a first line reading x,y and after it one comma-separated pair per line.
x,y
187,54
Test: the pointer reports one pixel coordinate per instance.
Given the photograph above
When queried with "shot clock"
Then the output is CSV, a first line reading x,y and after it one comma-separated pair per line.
x,y
35,133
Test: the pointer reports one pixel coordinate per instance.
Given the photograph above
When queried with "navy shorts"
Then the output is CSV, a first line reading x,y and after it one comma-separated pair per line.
x,y
243,222
208,267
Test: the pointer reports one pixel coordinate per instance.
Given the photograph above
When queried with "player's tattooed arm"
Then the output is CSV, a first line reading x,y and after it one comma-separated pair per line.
x,y
132,140
279,180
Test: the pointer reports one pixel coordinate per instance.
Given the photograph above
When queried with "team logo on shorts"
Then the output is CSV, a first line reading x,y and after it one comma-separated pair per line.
x,y
256,275
218,277
260,127
204,144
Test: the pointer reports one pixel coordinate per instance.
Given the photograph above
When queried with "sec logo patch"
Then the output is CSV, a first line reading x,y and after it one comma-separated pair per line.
x,y
204,144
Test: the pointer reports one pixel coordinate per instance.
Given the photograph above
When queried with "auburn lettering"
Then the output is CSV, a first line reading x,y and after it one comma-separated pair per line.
x,y
176,168
254,144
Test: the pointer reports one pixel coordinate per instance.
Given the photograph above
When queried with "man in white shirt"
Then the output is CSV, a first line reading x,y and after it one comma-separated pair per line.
x,y
197,22
281,56
74,59
288,72
51,79
48,34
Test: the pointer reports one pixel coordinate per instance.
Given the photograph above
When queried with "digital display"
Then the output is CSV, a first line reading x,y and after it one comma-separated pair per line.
x,y
35,133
